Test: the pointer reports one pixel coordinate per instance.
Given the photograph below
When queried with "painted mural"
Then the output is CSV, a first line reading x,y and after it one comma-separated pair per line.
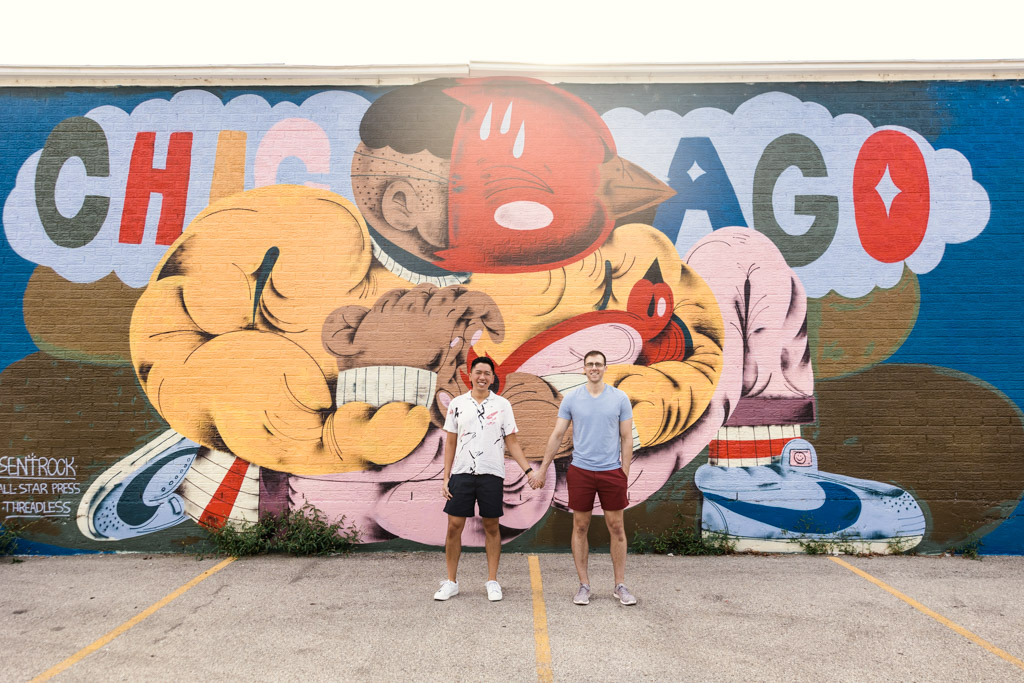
x,y
222,304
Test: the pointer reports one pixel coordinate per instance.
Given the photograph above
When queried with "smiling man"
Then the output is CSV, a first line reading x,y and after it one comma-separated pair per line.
x,y
479,424
602,450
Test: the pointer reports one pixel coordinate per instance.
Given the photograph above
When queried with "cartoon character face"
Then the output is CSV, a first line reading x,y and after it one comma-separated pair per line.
x,y
404,197
800,457
492,175
525,178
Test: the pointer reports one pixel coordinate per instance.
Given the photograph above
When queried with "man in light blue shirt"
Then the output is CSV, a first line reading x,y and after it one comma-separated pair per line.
x,y
602,440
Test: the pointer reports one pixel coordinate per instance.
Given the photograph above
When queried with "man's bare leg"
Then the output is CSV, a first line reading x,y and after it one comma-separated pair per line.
x,y
581,544
453,544
617,530
492,543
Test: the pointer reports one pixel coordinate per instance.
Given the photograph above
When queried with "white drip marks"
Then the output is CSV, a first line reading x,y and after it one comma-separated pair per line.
x,y
517,148
517,215
506,121
485,127
506,124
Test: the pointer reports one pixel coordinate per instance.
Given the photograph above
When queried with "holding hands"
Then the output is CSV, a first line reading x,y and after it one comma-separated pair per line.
x,y
536,477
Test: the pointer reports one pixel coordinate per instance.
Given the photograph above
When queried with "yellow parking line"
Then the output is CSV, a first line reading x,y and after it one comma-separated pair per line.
x,y
540,623
934,615
88,650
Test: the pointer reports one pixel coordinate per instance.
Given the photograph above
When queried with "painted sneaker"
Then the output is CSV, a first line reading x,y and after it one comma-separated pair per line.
x,y
137,495
623,594
493,591
582,596
768,507
221,489
447,590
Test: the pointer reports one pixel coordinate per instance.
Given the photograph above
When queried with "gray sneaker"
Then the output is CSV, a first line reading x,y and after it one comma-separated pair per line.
x,y
623,594
582,595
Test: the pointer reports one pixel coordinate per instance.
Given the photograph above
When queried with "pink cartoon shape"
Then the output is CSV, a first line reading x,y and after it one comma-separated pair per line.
x,y
767,378
404,499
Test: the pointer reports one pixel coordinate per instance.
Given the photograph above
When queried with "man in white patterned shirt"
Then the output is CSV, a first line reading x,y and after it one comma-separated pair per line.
x,y
479,424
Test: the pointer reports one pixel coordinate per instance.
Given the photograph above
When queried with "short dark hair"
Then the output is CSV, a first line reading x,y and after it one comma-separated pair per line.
x,y
588,354
414,118
483,359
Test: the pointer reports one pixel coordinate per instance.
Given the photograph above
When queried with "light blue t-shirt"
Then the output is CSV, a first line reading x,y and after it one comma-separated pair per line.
x,y
595,426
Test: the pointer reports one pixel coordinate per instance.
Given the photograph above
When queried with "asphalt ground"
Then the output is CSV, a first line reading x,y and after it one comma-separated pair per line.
x,y
371,617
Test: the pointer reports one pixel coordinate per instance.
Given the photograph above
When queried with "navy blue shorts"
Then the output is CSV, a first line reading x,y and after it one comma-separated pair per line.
x,y
469,489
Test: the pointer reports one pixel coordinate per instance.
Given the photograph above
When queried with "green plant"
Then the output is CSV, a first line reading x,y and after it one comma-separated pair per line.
x,y
816,541
815,546
898,546
969,548
681,539
305,531
9,535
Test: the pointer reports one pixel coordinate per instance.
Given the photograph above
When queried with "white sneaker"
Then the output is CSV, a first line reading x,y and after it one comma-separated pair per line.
x,y
493,591
447,590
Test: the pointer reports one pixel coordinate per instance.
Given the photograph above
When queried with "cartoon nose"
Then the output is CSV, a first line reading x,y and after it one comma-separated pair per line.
x,y
626,188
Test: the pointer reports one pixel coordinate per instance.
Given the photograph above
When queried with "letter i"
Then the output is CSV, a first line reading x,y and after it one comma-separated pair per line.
x,y
229,167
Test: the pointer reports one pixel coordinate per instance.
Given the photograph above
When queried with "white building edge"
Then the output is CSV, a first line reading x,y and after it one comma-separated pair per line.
x,y
270,75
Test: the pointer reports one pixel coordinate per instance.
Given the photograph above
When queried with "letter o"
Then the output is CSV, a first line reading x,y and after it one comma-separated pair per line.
x,y
891,235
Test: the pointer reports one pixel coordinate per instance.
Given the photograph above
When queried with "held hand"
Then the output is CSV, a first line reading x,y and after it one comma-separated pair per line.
x,y
537,477
445,492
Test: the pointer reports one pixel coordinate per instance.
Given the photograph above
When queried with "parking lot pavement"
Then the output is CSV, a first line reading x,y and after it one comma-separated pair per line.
x,y
371,616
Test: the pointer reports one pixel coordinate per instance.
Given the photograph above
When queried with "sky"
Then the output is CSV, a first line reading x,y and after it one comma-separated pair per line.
x,y
398,32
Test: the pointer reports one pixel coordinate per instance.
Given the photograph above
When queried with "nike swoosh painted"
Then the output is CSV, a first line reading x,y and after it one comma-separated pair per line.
x,y
131,505
839,511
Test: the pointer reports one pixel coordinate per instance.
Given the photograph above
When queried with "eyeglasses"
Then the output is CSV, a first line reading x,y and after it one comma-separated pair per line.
x,y
593,365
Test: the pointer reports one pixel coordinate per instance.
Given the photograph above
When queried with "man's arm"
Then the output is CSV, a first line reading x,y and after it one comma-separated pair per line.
x,y
449,458
516,451
554,441
626,443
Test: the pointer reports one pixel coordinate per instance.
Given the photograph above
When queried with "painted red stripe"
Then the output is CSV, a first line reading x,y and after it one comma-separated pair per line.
x,y
215,515
734,449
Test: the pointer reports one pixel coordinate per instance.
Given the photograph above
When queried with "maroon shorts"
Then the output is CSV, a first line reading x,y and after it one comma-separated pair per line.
x,y
609,485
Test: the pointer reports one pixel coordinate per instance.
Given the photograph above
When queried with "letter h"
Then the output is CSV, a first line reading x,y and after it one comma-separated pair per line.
x,y
170,181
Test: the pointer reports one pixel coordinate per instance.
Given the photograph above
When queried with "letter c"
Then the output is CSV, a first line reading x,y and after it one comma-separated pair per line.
x,y
80,137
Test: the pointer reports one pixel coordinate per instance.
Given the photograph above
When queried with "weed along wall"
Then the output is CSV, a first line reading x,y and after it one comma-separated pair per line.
x,y
219,303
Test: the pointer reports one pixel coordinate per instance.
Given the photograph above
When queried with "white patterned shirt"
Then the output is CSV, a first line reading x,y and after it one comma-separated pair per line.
x,y
480,429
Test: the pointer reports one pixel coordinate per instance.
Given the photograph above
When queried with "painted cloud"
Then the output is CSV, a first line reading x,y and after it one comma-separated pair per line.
x,y
959,206
310,144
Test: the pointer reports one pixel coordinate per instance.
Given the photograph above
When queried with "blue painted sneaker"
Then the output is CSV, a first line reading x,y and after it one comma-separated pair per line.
x,y
769,507
136,496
